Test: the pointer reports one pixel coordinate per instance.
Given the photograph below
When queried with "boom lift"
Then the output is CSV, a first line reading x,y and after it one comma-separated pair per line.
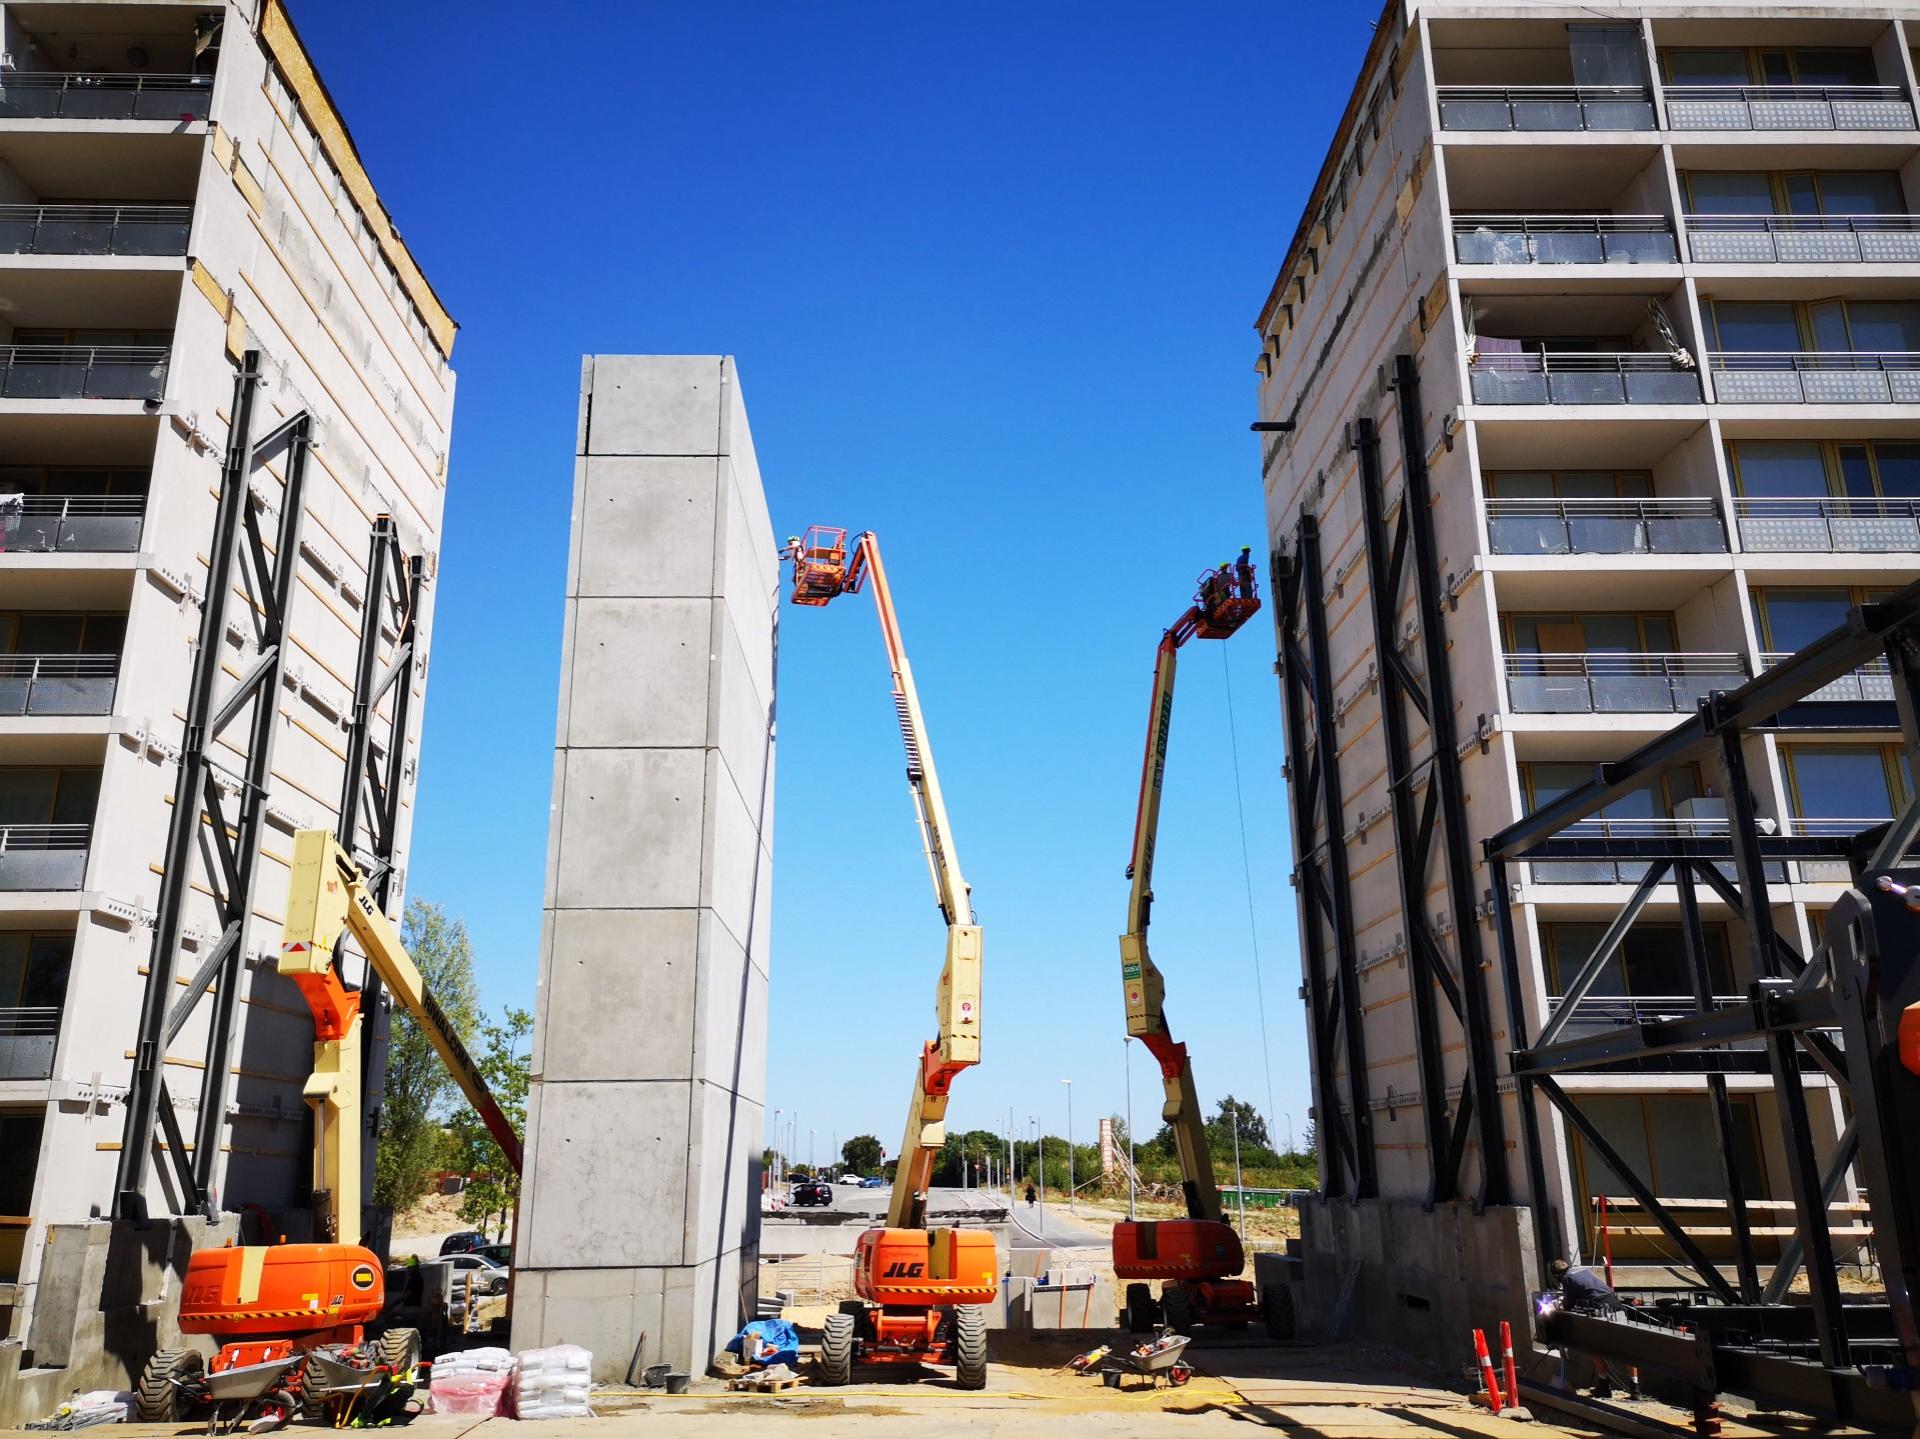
x,y
920,1289
291,1319
1197,1259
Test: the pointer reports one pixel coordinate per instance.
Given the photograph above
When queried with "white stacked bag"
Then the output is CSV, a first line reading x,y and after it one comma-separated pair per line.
x,y
553,1383
470,1381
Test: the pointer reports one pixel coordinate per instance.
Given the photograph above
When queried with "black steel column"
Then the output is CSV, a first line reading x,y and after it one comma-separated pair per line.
x,y
1496,1185
1385,561
147,1084
1546,1238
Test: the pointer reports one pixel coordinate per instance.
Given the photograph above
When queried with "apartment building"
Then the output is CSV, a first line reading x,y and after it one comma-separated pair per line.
x,y
177,190
1654,270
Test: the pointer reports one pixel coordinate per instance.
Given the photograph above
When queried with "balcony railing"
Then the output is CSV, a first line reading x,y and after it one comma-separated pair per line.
x,y
1563,240
1597,1014
1827,871
1788,107
1582,378
94,229
1685,526
1827,524
53,95
1611,871
58,684
44,856
1545,107
71,524
1815,377
1872,681
27,1037
1803,239
83,372
1617,683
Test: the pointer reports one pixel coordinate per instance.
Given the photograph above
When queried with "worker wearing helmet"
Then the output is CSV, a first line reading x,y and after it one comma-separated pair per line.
x,y
1243,571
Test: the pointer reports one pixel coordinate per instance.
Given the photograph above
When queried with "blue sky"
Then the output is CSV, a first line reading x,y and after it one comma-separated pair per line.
x,y
990,273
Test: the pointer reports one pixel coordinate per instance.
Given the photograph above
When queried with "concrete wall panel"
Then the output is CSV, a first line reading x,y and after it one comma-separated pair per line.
x,y
654,405
639,672
613,967
622,1148
658,507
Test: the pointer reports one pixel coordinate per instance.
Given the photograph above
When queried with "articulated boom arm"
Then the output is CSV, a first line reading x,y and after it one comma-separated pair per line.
x,y
1216,613
822,569
327,897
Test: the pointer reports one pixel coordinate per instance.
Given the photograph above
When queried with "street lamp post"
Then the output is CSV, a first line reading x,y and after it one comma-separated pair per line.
x,y
1239,1184
776,1148
1040,1163
812,1168
1132,1213
1073,1198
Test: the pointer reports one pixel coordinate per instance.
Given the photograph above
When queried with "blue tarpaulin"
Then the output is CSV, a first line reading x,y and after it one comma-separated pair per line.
x,y
768,1342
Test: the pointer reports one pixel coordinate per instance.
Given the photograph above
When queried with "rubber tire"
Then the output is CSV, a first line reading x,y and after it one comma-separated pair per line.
x,y
1176,1308
970,1346
399,1350
1276,1308
1142,1312
156,1400
836,1350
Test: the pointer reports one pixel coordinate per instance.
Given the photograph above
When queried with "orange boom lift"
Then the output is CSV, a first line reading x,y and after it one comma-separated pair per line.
x,y
1197,1259
291,1319
920,1289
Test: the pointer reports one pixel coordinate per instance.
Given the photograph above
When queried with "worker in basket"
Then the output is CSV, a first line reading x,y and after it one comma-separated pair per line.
x,y
1243,572
1217,588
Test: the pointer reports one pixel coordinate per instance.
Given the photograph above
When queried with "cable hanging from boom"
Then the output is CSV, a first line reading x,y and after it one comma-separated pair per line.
x,y
1246,868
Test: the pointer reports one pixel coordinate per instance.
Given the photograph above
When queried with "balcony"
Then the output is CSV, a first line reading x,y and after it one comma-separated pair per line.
x,y
94,229
1582,378
83,372
1600,1014
1827,525
1804,239
1545,107
1651,833
1563,240
1788,107
1815,377
71,524
1618,683
34,95
27,1037
1685,526
1871,683
44,856
58,684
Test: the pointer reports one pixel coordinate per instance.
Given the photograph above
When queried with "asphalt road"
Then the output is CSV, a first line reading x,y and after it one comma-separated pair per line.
x,y
1032,1227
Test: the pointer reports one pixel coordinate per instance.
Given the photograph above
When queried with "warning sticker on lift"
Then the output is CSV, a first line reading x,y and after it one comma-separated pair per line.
x,y
1129,971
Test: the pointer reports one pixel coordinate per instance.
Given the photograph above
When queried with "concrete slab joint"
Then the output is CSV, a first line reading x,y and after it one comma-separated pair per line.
x,y
639,1223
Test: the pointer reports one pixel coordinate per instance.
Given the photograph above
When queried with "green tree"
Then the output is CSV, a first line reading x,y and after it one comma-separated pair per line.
x,y
419,1090
863,1154
505,1062
1310,1141
1253,1129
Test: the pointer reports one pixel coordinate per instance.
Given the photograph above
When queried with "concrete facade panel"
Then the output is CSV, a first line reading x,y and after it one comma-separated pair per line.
x,y
654,405
661,507
639,673
630,829
617,1138
615,965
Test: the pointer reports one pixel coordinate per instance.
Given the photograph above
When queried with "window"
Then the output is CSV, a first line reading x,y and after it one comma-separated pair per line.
x,y
71,480
1796,66
1856,326
1790,618
19,1163
1859,469
33,969
62,634
1839,781
1568,484
1543,781
1811,192
48,796
1603,634
1668,1140
1651,960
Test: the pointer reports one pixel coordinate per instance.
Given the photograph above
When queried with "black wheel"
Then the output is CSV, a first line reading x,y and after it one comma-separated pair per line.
x,y
1142,1312
158,1400
1176,1307
970,1346
399,1350
836,1349
1276,1308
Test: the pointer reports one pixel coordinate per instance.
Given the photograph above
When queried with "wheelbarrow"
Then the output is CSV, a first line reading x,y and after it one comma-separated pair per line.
x,y
1160,1359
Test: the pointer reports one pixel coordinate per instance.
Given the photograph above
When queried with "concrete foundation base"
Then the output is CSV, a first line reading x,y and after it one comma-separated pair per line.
x,y
107,1299
1426,1278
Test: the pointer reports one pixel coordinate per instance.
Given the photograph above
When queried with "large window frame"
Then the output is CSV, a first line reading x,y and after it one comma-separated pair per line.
x,y
1850,468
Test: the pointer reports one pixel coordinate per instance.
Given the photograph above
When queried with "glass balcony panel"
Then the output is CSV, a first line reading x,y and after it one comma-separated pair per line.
x,y
1632,693
1663,387
71,684
1586,387
1619,114
1529,535
159,236
1882,247
17,232
1788,107
1844,387
1638,247
1816,247
1547,114
1684,112
1686,535
44,856
104,372
1545,107
42,372
27,1037
1568,247
1606,534
1509,387
1886,114
1617,683
21,99
1820,524
81,524
1475,115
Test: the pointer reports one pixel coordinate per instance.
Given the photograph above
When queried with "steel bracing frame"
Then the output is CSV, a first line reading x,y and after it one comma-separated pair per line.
x,y
1837,1010
1334,1013
1427,805
227,839
371,783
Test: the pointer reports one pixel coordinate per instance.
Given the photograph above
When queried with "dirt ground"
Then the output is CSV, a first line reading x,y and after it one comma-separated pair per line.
x,y
435,1214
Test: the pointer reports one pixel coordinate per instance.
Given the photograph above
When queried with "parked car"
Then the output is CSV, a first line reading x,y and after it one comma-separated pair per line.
x,y
811,1191
875,1183
855,1180
488,1277
463,1242
501,1254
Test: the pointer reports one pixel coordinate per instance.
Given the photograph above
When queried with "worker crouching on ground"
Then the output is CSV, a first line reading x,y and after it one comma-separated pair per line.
x,y
1584,1290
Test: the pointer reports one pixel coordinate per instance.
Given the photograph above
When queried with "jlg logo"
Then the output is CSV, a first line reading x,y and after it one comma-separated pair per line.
x,y
900,1269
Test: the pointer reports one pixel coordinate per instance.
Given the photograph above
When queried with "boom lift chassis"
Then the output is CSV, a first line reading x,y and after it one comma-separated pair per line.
x,y
1850,1010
